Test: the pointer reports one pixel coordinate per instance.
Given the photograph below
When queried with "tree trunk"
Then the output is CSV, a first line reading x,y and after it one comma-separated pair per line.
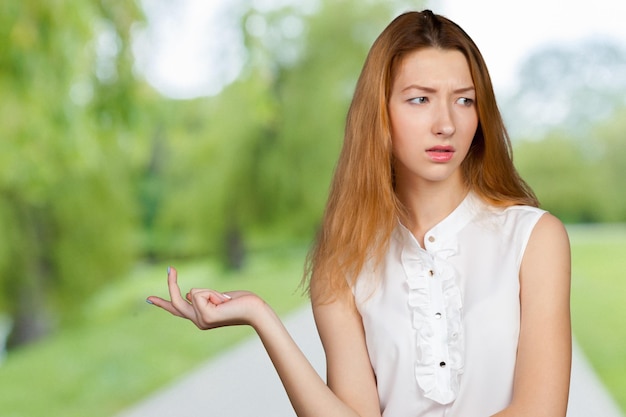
x,y
30,316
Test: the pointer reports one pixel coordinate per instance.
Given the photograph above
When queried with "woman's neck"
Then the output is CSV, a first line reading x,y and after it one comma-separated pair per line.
x,y
428,204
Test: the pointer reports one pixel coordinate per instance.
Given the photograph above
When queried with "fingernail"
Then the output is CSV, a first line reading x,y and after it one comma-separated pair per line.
x,y
169,268
148,301
227,296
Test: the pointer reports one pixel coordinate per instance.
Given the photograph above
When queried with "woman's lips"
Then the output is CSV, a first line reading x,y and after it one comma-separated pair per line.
x,y
440,153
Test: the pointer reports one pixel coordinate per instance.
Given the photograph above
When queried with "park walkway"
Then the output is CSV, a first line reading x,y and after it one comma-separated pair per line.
x,y
243,383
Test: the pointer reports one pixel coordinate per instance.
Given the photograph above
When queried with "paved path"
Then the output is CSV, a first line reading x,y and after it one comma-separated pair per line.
x,y
243,383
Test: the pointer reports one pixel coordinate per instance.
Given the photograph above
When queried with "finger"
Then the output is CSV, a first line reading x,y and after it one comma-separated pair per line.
x,y
164,304
213,296
178,302
204,303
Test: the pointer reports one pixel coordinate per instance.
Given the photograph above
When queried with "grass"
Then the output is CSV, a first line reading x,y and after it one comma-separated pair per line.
x,y
598,301
126,348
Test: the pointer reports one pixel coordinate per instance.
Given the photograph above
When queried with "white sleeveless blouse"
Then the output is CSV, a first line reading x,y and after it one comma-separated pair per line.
x,y
442,322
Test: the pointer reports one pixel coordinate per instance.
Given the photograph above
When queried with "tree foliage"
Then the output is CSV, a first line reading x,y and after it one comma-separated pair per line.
x,y
562,177
259,156
566,118
580,182
569,87
98,172
69,103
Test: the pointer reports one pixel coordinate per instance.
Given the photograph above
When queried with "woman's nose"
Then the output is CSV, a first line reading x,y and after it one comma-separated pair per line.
x,y
443,124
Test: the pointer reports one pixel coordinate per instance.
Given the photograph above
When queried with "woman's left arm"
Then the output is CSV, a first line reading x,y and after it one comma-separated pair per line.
x,y
542,370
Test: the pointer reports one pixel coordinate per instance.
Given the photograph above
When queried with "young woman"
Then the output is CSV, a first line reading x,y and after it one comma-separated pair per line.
x,y
438,287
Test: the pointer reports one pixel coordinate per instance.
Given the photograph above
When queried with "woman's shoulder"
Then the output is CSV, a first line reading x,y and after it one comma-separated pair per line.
x,y
550,228
510,214
512,221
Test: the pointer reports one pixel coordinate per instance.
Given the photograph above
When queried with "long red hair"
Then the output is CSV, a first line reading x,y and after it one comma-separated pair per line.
x,y
363,208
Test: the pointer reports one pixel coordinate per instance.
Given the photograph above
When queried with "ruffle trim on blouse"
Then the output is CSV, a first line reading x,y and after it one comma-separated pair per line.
x,y
437,383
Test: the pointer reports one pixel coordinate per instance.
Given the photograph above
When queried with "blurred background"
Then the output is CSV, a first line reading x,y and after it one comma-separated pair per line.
x,y
203,134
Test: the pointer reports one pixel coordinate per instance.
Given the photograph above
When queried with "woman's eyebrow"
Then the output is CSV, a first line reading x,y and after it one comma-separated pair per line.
x,y
434,90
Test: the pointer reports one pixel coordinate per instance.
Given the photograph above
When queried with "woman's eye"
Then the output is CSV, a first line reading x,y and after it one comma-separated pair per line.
x,y
466,101
418,100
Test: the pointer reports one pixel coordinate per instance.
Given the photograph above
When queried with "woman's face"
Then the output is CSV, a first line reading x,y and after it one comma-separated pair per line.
x,y
433,116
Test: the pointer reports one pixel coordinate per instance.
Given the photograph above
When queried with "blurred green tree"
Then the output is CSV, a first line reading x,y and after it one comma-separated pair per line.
x,y
565,120
579,181
609,143
261,158
68,120
570,87
563,177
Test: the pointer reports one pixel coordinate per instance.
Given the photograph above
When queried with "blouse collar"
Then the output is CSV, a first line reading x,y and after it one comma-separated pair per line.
x,y
444,234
